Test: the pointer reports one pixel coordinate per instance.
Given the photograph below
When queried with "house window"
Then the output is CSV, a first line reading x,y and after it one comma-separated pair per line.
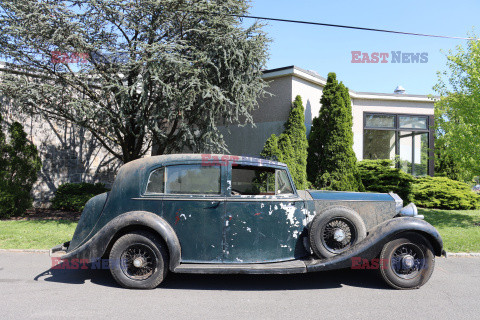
x,y
404,138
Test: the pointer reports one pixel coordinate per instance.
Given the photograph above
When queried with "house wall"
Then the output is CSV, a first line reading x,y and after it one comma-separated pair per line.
x,y
269,119
311,94
69,154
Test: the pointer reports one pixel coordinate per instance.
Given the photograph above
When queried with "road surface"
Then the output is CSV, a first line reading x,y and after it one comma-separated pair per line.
x,y
30,290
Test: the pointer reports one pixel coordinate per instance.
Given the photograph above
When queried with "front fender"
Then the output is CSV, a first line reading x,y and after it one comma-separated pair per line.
x,y
97,245
371,246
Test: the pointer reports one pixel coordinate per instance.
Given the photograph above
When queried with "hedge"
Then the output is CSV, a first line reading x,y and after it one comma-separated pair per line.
x,y
74,196
444,193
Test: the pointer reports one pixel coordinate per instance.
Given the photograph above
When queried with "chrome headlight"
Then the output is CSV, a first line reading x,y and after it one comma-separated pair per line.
x,y
410,211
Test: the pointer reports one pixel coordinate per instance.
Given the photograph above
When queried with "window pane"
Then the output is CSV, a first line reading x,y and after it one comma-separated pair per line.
x,y
379,144
380,121
413,122
283,183
156,181
421,154
193,179
253,181
405,156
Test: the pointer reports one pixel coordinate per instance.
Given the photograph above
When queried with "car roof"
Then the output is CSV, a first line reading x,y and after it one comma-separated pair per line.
x,y
210,158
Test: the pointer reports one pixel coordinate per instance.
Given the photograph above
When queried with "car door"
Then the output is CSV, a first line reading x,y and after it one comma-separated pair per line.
x,y
194,205
264,216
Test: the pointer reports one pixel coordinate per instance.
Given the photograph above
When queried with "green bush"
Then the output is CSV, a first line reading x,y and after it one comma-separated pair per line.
x,y
74,196
444,193
381,176
19,165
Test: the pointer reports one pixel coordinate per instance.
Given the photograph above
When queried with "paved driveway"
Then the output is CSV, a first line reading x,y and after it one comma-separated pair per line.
x,y
28,289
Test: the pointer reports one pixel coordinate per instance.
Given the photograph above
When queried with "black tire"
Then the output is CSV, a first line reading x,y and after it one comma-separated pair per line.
x,y
324,226
399,254
144,248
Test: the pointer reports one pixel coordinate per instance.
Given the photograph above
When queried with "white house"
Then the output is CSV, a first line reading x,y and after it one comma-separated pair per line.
x,y
385,125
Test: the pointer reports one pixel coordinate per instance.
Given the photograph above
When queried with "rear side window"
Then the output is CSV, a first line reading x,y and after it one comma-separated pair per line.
x,y
192,179
156,181
185,179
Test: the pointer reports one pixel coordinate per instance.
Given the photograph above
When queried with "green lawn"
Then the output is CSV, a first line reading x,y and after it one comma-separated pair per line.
x,y
35,234
457,228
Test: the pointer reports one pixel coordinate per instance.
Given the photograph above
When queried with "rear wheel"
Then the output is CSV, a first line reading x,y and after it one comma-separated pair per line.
x,y
407,262
138,260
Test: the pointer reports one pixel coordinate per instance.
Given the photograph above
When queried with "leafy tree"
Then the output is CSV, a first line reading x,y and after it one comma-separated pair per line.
x,y
457,112
331,160
296,131
291,146
445,166
149,73
19,165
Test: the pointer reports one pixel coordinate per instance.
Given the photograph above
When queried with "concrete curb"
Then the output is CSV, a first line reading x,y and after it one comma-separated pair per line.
x,y
25,250
463,254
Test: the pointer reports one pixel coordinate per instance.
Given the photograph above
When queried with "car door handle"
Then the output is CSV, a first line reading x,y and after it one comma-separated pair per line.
x,y
213,205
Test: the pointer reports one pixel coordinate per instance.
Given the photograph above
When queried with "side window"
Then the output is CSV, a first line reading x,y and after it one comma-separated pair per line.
x,y
193,179
283,183
248,180
156,181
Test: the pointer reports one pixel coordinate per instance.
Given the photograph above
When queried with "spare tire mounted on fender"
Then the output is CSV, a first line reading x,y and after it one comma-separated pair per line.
x,y
335,230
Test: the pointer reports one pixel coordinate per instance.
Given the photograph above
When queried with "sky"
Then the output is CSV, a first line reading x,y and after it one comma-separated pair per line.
x,y
327,49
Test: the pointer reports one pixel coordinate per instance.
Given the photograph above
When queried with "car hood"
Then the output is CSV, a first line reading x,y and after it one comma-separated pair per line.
x,y
349,196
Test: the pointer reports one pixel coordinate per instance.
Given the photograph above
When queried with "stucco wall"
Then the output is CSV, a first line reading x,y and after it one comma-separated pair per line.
x,y
311,94
269,119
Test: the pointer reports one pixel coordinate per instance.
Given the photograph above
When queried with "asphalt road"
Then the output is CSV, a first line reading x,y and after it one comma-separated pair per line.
x,y
30,290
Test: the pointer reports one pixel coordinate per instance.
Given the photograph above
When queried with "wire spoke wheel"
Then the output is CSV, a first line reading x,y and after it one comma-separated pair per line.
x,y
138,262
338,235
407,261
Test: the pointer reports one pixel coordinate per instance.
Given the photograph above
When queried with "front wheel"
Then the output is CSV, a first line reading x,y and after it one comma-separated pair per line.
x,y
407,262
138,260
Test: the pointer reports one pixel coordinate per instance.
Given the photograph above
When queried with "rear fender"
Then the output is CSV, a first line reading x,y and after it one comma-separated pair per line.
x,y
98,244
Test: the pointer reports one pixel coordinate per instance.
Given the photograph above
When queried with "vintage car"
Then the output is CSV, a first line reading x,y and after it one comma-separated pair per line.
x,y
192,213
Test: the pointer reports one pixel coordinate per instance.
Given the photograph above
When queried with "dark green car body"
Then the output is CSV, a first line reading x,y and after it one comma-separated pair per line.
x,y
221,226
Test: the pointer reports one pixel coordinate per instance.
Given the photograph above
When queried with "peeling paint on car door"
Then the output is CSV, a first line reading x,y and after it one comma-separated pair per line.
x,y
263,228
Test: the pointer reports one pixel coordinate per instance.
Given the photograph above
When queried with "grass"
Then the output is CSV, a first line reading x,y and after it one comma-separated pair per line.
x,y
457,227
35,234
460,229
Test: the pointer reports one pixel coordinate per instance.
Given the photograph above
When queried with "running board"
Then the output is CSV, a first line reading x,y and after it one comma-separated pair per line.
x,y
294,266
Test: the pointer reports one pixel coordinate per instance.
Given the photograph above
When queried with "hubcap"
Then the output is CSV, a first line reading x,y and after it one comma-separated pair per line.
x,y
138,262
408,261
339,235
